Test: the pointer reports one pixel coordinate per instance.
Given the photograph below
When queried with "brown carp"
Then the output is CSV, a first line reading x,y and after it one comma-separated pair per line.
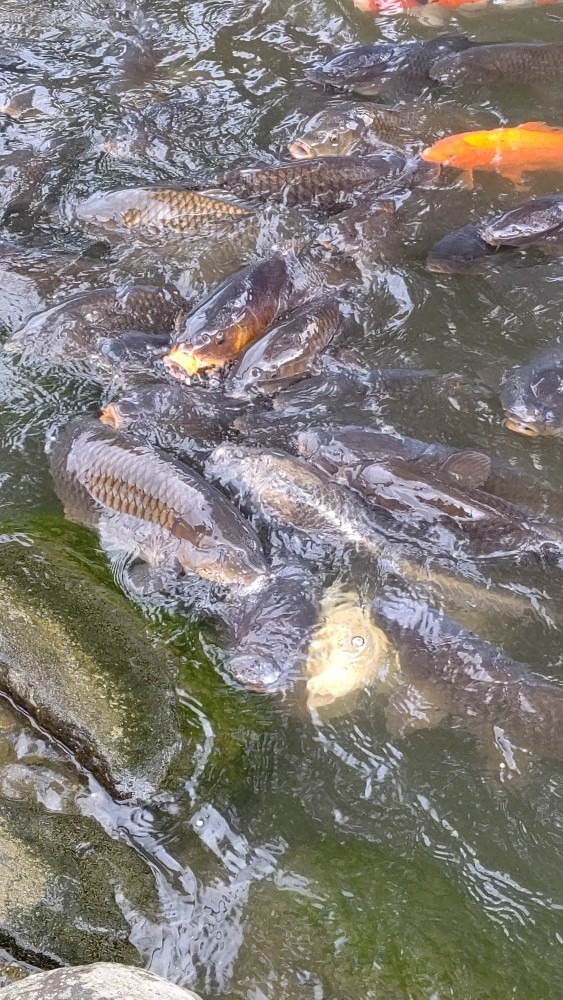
x,y
531,395
152,506
73,330
238,311
159,209
508,62
288,351
324,181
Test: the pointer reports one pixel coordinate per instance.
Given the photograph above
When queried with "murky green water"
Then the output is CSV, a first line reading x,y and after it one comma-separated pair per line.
x,y
281,857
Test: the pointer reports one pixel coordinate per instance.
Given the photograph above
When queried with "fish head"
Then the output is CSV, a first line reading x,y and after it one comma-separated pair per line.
x,y
533,401
332,132
464,151
256,671
460,251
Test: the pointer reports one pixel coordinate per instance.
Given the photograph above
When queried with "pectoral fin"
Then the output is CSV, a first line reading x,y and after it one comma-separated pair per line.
x,y
469,468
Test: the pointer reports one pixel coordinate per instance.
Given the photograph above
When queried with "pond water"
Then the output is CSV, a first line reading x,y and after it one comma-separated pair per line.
x,y
279,853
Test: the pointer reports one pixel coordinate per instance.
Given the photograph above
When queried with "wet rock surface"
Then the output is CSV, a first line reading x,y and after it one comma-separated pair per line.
x,y
102,981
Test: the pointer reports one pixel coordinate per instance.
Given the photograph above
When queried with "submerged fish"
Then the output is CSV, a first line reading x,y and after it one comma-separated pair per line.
x,y
532,395
325,181
450,671
158,209
510,152
189,420
512,62
151,505
347,652
75,329
237,312
166,121
540,219
429,490
360,228
376,69
460,251
288,351
293,494
352,128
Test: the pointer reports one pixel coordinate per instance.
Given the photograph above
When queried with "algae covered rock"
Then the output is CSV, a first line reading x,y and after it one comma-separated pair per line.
x,y
102,981
77,657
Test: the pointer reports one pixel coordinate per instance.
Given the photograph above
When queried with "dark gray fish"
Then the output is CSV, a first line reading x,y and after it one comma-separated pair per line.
x,y
356,229
532,395
291,493
324,181
152,506
509,62
386,67
272,631
461,251
132,350
185,418
74,330
450,672
288,351
240,310
537,221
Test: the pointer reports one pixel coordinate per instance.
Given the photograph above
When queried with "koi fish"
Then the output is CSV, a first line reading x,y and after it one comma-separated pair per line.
x,y
435,12
510,152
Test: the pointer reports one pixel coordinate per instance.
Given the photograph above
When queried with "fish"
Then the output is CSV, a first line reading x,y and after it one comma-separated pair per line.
x,y
511,62
531,395
427,491
76,329
288,351
435,12
347,652
536,221
132,350
166,121
346,128
375,70
460,252
238,311
450,672
510,152
159,209
356,229
323,181
293,494
151,505
271,631
187,419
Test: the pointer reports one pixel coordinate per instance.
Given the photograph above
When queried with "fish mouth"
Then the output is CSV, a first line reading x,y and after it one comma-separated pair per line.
x,y
109,416
300,150
177,358
521,427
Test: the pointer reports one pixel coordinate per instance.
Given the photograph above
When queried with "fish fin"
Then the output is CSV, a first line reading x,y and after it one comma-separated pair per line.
x,y
184,530
515,175
467,181
409,709
470,468
538,127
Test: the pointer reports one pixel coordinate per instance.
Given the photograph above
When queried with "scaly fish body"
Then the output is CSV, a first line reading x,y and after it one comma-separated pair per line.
x,y
375,69
172,416
288,350
353,128
514,62
237,312
455,673
510,152
75,329
532,395
291,493
538,220
158,209
324,181
157,508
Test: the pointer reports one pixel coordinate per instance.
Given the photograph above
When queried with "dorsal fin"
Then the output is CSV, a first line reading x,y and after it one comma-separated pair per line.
x,y
469,468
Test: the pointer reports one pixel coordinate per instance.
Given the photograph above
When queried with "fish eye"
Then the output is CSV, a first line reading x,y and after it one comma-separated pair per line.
x,y
358,642
334,137
256,372
220,337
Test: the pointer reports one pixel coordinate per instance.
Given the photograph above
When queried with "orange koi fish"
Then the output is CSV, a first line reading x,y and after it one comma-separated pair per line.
x,y
510,152
434,11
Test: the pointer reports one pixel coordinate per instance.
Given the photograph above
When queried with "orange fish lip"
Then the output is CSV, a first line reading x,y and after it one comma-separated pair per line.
x,y
189,363
519,427
109,417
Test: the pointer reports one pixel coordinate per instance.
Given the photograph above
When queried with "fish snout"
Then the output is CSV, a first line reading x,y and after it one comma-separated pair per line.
x,y
520,426
256,672
300,150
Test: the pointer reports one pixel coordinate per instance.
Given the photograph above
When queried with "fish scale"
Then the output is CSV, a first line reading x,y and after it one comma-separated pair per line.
x,y
158,209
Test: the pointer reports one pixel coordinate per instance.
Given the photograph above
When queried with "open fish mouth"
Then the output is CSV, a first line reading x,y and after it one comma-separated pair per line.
x,y
521,427
110,417
181,363
300,150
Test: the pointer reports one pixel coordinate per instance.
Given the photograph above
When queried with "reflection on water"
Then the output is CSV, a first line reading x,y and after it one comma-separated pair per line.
x,y
286,853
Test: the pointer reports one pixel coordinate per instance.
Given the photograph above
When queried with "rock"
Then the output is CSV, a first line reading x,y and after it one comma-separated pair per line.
x,y
102,981
77,657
